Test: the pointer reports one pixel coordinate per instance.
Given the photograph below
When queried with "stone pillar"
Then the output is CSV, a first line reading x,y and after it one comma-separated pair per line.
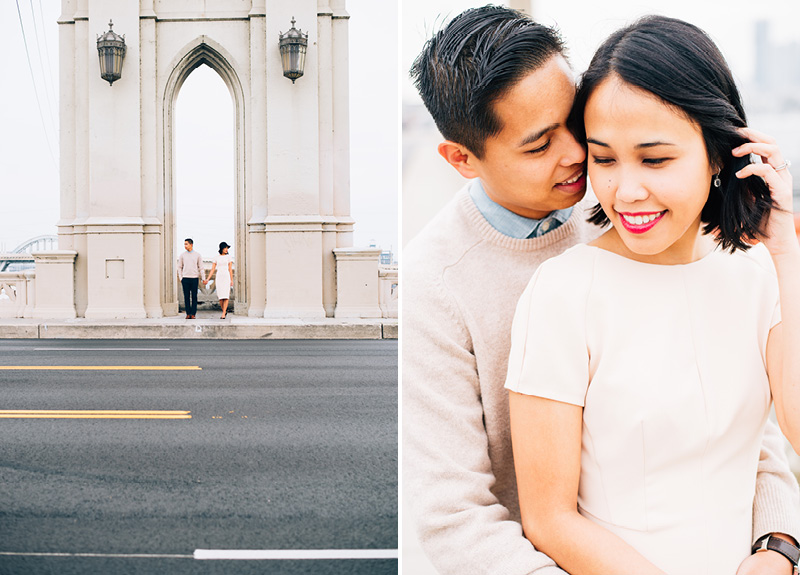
x,y
293,225
357,283
257,160
294,267
327,159
341,123
153,239
55,285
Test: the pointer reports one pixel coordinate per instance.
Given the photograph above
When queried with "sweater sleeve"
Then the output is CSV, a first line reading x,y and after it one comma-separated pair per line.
x,y
180,267
201,269
447,473
776,506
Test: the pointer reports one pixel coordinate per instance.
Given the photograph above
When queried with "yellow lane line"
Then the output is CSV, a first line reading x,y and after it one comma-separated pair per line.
x,y
103,367
98,411
11,416
91,414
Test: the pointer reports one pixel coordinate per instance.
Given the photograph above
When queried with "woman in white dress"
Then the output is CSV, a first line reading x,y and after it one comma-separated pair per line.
x,y
643,364
223,264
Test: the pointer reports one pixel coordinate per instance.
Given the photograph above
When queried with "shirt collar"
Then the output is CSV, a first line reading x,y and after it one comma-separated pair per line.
x,y
510,224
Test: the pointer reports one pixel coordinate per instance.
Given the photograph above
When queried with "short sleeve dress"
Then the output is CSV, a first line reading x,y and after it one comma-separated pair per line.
x,y
668,363
223,279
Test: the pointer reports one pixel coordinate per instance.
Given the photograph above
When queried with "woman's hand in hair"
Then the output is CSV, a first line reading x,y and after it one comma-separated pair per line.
x,y
780,234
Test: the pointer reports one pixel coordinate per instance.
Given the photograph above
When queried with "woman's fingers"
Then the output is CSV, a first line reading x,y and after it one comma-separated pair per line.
x,y
756,136
766,151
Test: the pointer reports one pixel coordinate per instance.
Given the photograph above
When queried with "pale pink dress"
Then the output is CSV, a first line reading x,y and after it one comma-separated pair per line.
x,y
668,363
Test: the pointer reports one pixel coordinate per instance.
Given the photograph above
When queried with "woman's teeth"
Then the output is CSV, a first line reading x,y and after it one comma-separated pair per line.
x,y
639,220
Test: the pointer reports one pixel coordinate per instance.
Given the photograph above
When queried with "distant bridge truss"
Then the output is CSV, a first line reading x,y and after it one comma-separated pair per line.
x,y
21,258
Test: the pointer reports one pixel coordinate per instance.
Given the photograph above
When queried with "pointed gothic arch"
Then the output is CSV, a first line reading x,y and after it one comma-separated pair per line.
x,y
203,50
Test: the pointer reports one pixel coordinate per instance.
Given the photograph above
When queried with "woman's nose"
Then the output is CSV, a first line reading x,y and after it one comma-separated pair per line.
x,y
631,190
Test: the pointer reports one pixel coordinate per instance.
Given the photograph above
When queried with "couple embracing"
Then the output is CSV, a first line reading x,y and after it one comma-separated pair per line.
x,y
586,388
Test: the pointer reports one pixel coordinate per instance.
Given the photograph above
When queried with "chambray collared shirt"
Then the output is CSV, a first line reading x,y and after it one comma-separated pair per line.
x,y
510,224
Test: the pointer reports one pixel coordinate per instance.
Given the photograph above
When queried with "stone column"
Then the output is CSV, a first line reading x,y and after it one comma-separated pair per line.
x,y
293,224
55,285
357,283
114,227
257,160
153,238
327,159
341,123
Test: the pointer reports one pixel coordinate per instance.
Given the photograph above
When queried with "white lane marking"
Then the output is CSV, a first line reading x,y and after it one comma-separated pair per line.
x,y
104,555
295,554
101,349
245,554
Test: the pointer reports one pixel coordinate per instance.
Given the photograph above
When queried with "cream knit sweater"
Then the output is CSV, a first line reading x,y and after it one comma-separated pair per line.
x,y
461,282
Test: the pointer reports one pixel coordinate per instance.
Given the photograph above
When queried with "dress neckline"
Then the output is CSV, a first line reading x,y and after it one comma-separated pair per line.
x,y
696,262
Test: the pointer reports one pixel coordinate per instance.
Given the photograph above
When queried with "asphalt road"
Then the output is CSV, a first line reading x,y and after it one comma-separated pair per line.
x,y
291,445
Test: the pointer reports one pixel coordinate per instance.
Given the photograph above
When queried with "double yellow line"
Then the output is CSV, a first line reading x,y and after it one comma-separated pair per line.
x,y
98,413
102,367
91,414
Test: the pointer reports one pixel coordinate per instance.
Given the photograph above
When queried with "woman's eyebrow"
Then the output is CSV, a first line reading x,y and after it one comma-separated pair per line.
x,y
637,146
652,145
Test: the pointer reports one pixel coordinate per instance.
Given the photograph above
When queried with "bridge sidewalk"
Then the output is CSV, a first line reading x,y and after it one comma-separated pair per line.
x,y
208,325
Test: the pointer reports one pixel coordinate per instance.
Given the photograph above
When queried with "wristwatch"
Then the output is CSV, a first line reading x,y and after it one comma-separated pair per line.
x,y
770,543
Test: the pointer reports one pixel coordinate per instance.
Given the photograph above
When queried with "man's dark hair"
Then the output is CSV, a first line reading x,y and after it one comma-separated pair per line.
x,y
475,60
189,240
678,62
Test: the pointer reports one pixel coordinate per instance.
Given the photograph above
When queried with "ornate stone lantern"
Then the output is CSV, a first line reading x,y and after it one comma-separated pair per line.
x,y
293,52
111,48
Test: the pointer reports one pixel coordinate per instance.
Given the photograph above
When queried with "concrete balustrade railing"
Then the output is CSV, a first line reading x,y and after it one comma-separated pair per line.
x,y
17,291
389,291
373,289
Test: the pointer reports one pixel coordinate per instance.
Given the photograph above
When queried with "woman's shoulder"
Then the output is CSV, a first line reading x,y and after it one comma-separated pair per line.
x,y
573,261
566,276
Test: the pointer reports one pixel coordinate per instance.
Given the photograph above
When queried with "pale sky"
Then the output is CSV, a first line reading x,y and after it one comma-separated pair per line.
x,y
29,181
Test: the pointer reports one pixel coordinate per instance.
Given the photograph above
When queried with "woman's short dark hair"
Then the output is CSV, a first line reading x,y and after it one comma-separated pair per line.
x,y
680,64
475,60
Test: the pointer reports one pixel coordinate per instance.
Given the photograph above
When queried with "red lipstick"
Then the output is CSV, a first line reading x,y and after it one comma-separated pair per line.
x,y
643,227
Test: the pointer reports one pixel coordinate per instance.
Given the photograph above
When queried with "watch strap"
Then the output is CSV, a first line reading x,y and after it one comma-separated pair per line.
x,y
770,543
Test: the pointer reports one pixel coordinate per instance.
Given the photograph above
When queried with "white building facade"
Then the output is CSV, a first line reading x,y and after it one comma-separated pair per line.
x,y
118,192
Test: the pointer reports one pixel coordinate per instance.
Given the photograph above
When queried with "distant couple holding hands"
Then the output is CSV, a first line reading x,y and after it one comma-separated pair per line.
x,y
191,271
587,388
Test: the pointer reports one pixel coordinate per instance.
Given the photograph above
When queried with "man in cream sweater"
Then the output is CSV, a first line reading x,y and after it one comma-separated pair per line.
x,y
190,272
500,92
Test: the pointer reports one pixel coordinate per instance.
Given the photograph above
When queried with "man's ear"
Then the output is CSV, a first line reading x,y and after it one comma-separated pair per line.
x,y
459,157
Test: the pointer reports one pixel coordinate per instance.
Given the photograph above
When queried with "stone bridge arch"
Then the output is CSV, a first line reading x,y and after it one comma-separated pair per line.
x,y
292,151
203,50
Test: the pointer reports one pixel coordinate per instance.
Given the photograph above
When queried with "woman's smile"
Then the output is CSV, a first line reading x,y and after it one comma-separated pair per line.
x,y
640,222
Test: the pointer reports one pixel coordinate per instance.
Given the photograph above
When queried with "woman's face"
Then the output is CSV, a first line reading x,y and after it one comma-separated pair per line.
x,y
224,251
649,169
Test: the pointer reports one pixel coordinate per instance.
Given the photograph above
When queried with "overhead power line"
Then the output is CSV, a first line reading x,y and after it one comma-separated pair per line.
x,y
48,80
35,91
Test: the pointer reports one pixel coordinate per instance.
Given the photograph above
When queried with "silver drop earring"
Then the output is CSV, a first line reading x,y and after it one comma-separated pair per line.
x,y
717,181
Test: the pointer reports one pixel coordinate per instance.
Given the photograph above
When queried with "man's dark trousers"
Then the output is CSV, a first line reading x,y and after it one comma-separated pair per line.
x,y
190,294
